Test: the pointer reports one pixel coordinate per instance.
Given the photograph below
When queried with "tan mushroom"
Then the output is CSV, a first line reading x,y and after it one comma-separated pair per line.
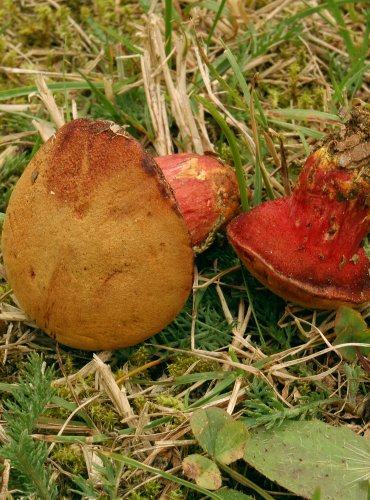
x,y
94,245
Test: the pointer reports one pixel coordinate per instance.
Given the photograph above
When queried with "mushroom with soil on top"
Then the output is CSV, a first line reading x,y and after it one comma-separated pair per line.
x,y
308,247
94,244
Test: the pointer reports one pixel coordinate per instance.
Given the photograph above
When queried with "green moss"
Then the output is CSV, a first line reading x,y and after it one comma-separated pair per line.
x,y
184,361
139,403
277,97
170,402
64,392
7,12
177,494
86,386
70,458
3,47
69,364
103,416
39,28
10,58
150,491
141,356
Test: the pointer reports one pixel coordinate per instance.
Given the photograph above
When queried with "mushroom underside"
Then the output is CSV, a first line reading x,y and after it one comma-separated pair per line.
x,y
301,259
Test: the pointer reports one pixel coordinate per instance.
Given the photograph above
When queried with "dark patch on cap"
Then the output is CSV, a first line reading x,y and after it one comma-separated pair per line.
x,y
152,168
34,176
149,165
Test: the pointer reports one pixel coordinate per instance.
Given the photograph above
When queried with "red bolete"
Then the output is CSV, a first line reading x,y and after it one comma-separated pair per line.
x,y
206,190
95,247
308,247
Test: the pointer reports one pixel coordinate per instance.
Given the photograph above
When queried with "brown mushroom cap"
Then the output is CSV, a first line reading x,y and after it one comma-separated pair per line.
x,y
94,245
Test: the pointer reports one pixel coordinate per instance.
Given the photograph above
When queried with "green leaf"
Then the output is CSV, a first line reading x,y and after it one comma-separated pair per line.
x,y
204,471
219,434
231,442
206,424
306,456
350,327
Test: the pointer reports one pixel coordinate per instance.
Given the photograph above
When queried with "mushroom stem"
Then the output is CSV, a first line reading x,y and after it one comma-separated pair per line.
x,y
307,247
329,209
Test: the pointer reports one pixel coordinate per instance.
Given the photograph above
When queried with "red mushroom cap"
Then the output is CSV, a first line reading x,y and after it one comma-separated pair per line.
x,y
206,191
307,247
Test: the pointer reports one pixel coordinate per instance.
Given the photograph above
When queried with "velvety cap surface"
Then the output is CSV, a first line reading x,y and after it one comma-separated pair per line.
x,y
94,245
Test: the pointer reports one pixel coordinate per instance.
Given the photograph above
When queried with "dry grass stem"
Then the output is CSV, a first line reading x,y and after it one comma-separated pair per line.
x,y
48,99
116,395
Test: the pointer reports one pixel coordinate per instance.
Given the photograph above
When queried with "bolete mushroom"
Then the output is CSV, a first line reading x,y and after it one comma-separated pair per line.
x,y
206,190
94,245
308,247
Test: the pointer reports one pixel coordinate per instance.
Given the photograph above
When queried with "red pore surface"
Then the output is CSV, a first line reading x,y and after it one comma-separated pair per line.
x,y
206,191
307,247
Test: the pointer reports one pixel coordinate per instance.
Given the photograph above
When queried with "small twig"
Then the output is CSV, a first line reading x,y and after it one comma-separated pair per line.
x,y
140,369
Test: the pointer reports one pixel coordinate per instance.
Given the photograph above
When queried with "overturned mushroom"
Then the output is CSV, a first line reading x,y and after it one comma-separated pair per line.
x,y
205,189
308,247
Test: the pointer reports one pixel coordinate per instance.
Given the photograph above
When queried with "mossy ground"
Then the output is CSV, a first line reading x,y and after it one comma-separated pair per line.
x,y
229,346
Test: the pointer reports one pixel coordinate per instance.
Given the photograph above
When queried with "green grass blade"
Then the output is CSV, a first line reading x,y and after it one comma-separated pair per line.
x,y
342,30
217,390
215,72
53,87
304,142
315,134
239,75
305,114
103,100
365,41
260,171
245,481
215,21
170,477
168,26
315,10
244,87
233,147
